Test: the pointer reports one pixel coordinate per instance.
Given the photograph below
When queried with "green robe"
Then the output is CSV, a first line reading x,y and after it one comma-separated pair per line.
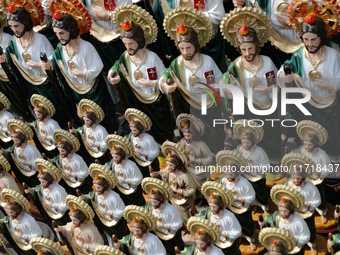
x,y
158,111
327,117
213,136
271,141
27,89
98,93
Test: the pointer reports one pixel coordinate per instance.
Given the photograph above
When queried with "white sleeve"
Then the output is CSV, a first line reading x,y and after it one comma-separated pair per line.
x,y
214,10
80,168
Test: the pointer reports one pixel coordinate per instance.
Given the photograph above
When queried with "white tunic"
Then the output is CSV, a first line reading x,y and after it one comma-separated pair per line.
x,y
114,205
298,228
57,195
170,216
7,182
28,227
330,70
107,24
5,116
322,163
77,165
152,245
87,59
153,61
5,39
229,225
310,193
131,173
208,65
99,134
30,153
48,129
258,158
244,190
40,44
148,145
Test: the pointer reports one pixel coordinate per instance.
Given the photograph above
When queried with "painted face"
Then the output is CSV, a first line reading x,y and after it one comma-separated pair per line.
x,y
155,203
63,35
246,144
171,166
230,176
99,188
75,221
308,146
312,42
297,180
17,28
201,245
88,122
137,231
63,153
39,115
187,137
117,159
285,213
215,209
17,142
135,132
44,183
248,51
12,214
187,50
131,46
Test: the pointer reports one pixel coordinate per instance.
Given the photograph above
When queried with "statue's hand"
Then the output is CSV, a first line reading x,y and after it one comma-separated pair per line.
x,y
33,64
323,85
145,82
46,65
282,18
169,88
78,73
113,79
2,58
286,78
100,12
116,242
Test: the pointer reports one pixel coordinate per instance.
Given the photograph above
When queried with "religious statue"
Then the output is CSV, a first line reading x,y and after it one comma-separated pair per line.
x,y
45,246
5,116
7,181
277,241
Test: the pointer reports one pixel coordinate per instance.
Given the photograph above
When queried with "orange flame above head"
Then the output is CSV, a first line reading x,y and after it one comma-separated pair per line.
x,y
212,196
96,177
243,30
307,134
274,243
41,171
295,167
11,8
186,126
198,232
114,147
310,19
72,209
283,200
152,192
132,121
13,131
126,26
36,105
40,252
8,202
59,141
85,110
182,30
227,164
169,155
57,15
134,220
244,132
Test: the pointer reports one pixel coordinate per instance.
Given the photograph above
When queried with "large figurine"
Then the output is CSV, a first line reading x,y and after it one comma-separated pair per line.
x,y
45,246
180,181
218,199
300,169
5,116
169,221
76,62
107,250
92,134
128,175
252,71
242,190
288,201
49,196
23,56
145,147
315,67
7,181
313,136
196,150
73,168
250,134
206,234
44,126
22,154
107,204
183,80
81,233
19,227
140,240
212,10
140,69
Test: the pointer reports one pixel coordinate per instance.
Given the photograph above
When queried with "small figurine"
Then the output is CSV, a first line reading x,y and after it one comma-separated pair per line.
x,y
44,246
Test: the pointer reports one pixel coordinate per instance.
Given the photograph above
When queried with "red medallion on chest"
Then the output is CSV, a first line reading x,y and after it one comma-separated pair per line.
x,y
209,77
152,73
